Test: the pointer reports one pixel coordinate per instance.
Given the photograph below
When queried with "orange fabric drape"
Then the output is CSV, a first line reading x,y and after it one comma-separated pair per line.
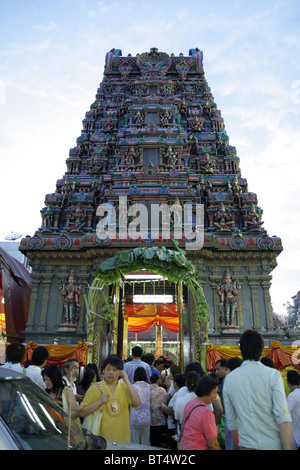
x,y
143,310
139,324
282,356
142,317
59,353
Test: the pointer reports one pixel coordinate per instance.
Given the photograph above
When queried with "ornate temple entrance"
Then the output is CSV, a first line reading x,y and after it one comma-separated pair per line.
x,y
153,138
150,315
170,296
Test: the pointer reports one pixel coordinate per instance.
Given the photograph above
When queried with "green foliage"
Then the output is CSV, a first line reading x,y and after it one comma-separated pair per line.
x,y
291,313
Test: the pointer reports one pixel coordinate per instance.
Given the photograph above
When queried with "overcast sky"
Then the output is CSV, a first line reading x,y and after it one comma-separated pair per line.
x,y
51,64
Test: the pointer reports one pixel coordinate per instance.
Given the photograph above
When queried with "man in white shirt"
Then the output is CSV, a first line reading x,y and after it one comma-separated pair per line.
x,y
15,353
293,401
38,362
255,404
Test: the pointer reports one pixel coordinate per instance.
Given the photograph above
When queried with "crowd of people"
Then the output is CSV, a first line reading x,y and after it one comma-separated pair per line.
x,y
241,405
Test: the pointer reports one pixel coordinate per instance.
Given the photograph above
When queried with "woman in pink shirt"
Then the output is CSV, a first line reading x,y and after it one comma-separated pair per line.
x,y
199,430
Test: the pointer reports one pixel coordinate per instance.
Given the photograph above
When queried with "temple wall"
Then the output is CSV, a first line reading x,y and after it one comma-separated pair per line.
x,y
46,315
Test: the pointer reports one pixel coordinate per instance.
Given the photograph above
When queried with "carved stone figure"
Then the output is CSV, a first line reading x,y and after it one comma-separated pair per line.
x,y
192,145
176,216
47,216
170,156
108,125
207,163
223,219
71,305
165,119
139,119
183,108
78,218
131,156
236,190
220,145
203,187
253,218
196,124
108,60
228,291
206,111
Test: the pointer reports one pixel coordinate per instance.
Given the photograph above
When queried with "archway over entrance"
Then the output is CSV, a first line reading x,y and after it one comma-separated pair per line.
x,y
172,264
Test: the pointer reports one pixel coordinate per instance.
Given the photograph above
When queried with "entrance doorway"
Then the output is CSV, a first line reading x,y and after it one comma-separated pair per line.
x,y
107,298
150,315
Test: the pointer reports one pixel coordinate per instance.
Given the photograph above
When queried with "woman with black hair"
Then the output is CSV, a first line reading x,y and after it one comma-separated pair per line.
x,y
140,418
158,419
199,430
56,388
53,382
89,377
115,396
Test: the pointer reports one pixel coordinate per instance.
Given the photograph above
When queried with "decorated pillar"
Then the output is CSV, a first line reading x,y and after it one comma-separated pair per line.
x,y
266,284
254,284
46,282
159,341
35,283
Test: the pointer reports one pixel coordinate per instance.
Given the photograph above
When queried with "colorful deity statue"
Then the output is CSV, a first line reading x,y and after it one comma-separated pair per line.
x,y
78,218
223,219
192,145
170,156
47,216
196,124
139,119
253,218
207,163
228,291
71,293
166,118
131,156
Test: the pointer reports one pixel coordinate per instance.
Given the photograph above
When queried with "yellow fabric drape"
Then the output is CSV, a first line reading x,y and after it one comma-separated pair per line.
x,y
59,353
144,310
282,356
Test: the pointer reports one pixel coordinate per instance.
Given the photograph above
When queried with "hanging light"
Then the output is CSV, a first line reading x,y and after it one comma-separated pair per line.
x,y
153,299
141,277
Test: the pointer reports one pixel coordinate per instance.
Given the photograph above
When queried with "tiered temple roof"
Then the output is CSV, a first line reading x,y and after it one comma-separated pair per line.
x,y
154,135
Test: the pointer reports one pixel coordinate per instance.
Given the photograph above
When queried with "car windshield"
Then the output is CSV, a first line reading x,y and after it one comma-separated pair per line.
x,y
36,422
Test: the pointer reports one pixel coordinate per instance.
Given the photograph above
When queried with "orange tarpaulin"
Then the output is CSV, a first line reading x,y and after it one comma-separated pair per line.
x,y
282,356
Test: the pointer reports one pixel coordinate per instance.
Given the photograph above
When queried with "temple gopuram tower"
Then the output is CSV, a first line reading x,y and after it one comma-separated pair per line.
x,y
153,135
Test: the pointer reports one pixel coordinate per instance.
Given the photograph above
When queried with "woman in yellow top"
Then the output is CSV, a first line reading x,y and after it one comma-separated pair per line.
x,y
118,396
